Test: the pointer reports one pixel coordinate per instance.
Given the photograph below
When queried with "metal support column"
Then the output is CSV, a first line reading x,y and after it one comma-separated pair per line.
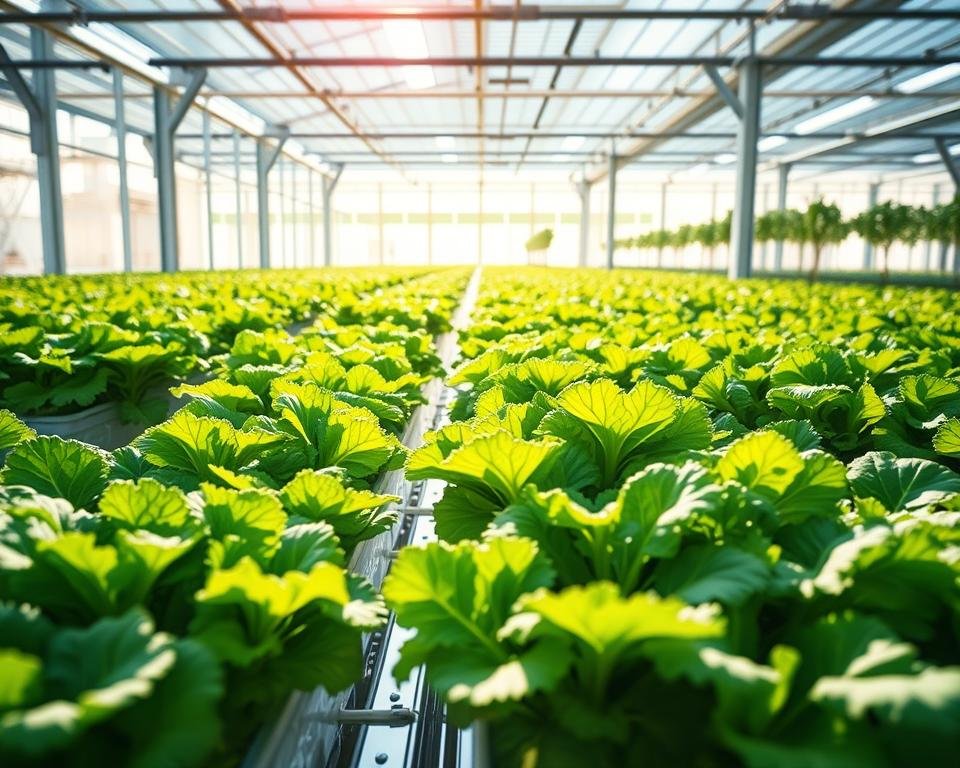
x,y
583,189
663,222
120,126
765,196
429,223
295,250
952,164
312,224
208,186
611,205
281,178
167,117
741,235
928,252
380,220
783,176
480,221
40,101
873,193
266,158
238,197
329,185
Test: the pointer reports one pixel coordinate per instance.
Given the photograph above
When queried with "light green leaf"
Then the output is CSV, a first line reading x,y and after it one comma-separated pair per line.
x,y
55,467
13,431
147,504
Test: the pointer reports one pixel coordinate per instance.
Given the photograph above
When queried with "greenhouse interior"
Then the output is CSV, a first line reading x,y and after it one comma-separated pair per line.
x,y
479,383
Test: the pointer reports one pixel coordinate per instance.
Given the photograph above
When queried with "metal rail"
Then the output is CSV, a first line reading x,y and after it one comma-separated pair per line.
x,y
278,15
330,62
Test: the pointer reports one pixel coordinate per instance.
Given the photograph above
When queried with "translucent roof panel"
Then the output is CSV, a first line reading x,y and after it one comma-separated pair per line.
x,y
518,110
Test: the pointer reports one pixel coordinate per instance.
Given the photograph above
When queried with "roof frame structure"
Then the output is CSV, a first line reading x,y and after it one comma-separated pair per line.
x,y
537,88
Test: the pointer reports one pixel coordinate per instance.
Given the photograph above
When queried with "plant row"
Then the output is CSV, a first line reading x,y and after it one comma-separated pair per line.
x,y
822,224
691,522
161,602
67,343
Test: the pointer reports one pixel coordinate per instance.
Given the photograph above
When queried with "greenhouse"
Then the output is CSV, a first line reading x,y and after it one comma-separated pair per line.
x,y
479,383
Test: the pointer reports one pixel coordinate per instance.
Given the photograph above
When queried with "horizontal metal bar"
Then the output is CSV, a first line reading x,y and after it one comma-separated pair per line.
x,y
58,64
517,135
416,511
535,94
278,14
394,718
640,161
552,61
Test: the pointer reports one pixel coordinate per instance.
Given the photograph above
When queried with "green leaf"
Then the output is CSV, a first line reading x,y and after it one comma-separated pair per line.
x,y
13,431
458,597
762,461
90,674
707,573
247,523
243,613
479,681
499,463
20,679
839,413
193,444
335,434
233,397
303,546
608,630
928,701
929,399
947,440
619,422
801,433
55,467
901,484
179,724
80,388
148,505
356,515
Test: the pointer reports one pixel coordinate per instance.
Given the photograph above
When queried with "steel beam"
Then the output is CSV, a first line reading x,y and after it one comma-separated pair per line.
x,y
167,117
542,93
953,167
611,207
120,127
741,235
609,134
726,93
329,185
583,189
873,194
353,62
277,14
238,198
783,179
266,158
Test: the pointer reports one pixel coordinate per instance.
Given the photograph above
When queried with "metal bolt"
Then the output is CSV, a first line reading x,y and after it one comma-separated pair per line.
x,y
381,758
395,696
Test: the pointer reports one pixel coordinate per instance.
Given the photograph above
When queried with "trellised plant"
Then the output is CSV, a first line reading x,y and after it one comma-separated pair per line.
x,y
822,224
